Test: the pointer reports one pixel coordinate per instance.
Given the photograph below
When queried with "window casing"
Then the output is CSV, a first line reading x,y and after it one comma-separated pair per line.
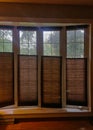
x,y
40,65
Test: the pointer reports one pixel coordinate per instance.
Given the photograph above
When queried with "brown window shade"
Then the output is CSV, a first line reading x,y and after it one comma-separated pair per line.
x,y
6,79
76,81
51,81
27,80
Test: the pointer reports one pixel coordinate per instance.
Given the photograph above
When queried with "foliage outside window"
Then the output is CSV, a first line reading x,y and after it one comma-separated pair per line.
x,y
6,40
51,43
28,42
75,43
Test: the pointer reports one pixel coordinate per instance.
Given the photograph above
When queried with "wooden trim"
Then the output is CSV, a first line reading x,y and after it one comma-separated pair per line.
x,y
17,21
16,51
87,51
63,54
91,65
43,113
40,53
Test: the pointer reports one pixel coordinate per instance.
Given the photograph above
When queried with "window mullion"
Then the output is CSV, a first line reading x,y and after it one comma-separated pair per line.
x,y
16,52
40,53
88,56
63,54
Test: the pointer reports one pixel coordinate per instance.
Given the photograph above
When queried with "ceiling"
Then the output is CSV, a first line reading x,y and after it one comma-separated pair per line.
x,y
63,2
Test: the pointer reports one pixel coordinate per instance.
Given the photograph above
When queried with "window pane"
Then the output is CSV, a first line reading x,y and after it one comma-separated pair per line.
x,y
47,49
51,40
7,47
1,47
7,35
55,49
80,35
28,42
70,36
32,49
75,44
6,40
1,35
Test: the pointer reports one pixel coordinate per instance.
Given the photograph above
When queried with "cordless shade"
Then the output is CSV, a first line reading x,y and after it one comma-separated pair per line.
x,y
6,79
27,80
51,81
76,81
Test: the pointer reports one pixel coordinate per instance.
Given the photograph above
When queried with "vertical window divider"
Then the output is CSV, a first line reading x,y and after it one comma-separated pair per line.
x,y
88,56
39,53
91,62
16,52
63,54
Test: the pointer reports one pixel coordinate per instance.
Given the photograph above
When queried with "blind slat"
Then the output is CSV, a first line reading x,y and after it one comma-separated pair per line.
x,y
6,79
27,80
76,81
51,81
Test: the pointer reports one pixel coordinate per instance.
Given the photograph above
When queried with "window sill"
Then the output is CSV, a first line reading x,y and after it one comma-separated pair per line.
x,y
23,112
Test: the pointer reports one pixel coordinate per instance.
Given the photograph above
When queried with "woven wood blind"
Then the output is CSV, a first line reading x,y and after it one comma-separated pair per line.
x,y
6,79
51,81
27,80
77,81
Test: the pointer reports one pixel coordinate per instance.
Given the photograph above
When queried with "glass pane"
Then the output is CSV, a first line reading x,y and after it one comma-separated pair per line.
x,y
71,50
51,40
75,47
7,47
32,49
80,50
55,49
24,51
1,47
6,39
80,35
24,37
28,42
47,49
70,36
7,36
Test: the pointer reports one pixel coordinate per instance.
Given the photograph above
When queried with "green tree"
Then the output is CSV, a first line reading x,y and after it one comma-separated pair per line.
x,y
75,44
28,42
5,40
51,43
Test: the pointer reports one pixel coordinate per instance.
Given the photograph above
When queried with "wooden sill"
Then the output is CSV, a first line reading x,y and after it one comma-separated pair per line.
x,y
9,116
35,112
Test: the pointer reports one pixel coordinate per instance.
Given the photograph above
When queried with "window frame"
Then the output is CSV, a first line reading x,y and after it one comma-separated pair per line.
x,y
63,54
86,55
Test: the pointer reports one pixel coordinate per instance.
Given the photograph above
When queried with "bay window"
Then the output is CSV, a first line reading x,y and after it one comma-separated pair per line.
x,y
52,66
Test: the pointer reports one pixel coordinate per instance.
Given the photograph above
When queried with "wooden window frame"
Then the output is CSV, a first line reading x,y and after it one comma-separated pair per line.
x,y
40,52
